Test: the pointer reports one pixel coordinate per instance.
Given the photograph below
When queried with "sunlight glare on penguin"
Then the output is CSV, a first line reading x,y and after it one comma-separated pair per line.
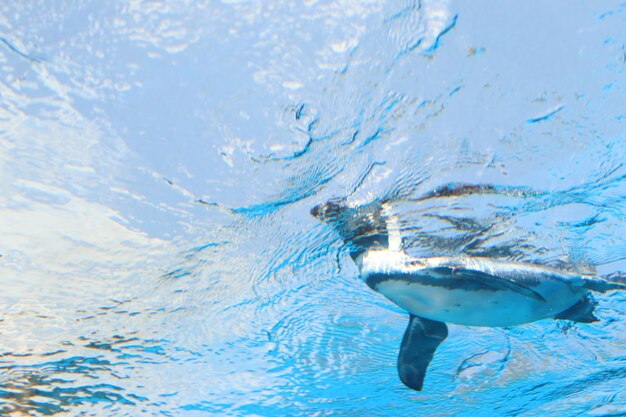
x,y
463,290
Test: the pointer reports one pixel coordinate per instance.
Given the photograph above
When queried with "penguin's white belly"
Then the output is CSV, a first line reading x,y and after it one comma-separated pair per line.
x,y
478,307
470,291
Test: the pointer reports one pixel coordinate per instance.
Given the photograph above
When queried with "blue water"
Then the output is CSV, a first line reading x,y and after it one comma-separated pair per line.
x,y
159,159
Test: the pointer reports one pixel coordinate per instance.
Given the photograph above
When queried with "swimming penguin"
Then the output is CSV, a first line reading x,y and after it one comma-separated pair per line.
x,y
472,291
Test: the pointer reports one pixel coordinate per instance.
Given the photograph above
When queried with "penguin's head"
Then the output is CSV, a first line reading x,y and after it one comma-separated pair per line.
x,y
330,211
361,226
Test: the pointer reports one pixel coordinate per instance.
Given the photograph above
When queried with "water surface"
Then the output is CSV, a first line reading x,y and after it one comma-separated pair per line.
x,y
159,160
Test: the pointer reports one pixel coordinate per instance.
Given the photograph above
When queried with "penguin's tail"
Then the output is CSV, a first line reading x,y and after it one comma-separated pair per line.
x,y
611,282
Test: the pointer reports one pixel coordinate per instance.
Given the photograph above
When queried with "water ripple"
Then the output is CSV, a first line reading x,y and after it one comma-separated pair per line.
x,y
159,162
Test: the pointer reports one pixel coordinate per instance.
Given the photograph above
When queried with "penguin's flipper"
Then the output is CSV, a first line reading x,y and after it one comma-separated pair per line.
x,y
421,338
